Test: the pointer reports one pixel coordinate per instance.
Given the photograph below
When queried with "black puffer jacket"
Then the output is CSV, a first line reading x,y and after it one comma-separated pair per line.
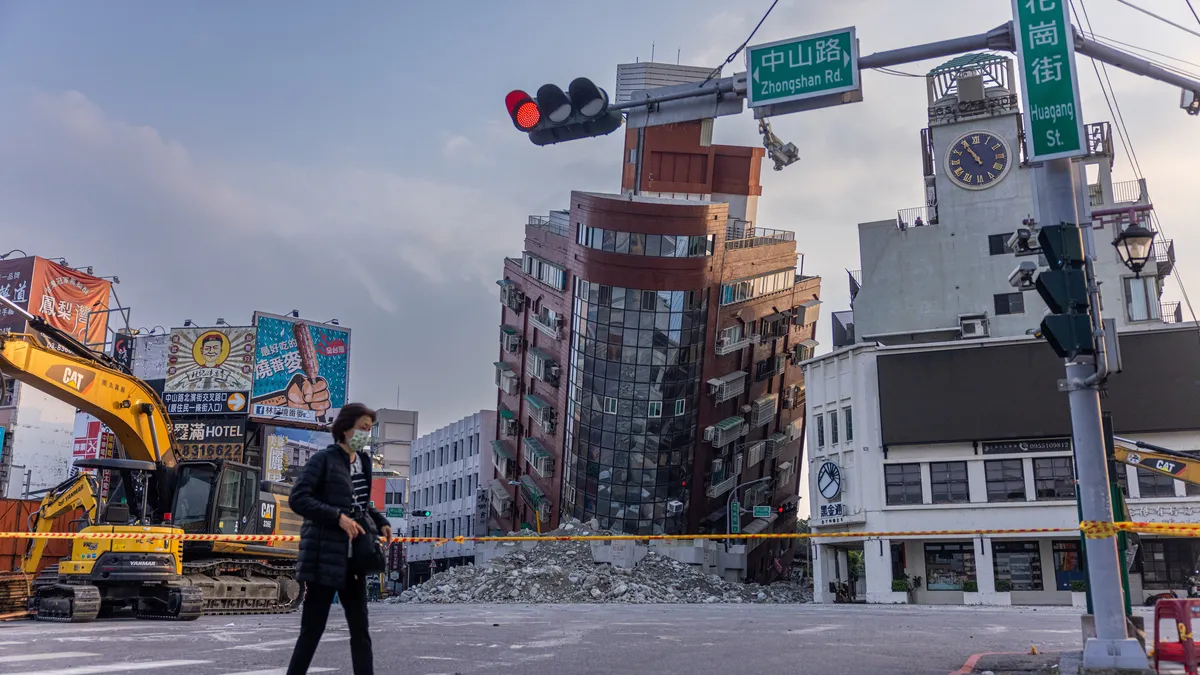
x,y
321,495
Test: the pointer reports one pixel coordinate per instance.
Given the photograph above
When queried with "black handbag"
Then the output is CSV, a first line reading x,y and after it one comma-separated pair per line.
x,y
366,552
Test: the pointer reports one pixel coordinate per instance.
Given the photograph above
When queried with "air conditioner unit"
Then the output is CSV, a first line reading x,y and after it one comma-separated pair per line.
x,y
674,506
717,465
973,327
710,433
746,409
552,372
723,343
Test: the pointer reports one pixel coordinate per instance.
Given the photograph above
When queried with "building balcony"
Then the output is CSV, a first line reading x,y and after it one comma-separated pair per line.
x,y
726,431
538,457
720,486
726,346
1124,192
918,216
504,459
759,236
548,224
549,325
727,386
763,410
511,296
775,444
1164,256
1172,312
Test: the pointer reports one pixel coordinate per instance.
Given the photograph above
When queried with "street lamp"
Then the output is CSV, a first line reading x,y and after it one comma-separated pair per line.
x,y
1134,246
15,250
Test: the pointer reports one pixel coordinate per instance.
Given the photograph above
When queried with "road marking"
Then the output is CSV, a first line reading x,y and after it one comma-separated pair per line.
x,y
45,657
436,658
272,645
119,667
814,629
277,671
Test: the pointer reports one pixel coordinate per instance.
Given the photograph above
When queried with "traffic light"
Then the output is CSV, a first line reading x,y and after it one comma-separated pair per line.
x,y
1068,325
556,116
787,508
422,514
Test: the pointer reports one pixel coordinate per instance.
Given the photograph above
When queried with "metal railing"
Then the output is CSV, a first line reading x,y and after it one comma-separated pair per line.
x,y
1164,255
549,329
724,346
1172,312
716,489
926,215
544,223
1128,191
762,237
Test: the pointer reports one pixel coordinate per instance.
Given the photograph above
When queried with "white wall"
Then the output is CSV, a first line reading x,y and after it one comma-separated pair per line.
x,y
42,440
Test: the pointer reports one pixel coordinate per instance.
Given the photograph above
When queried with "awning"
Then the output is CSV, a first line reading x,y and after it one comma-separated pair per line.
x,y
508,330
499,494
505,413
726,379
784,467
502,366
777,316
501,450
810,303
535,448
504,283
769,399
810,343
536,401
776,439
730,423
541,354
531,491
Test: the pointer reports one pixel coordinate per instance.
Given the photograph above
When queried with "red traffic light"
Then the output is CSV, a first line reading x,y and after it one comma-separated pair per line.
x,y
522,109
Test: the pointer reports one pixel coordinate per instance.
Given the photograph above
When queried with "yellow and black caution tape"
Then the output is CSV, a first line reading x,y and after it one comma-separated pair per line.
x,y
1090,529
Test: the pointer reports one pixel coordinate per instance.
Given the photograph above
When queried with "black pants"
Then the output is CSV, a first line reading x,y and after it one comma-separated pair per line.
x,y
317,600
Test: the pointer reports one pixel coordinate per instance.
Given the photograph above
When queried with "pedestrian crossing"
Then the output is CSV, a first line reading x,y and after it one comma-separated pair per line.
x,y
39,657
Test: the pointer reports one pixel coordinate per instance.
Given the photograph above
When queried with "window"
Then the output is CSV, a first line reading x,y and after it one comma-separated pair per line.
x,y
1054,478
849,418
680,406
948,481
998,244
753,287
1009,303
1067,565
833,427
551,275
1019,563
654,409
902,483
610,406
1005,480
948,566
1141,298
1167,563
820,431
1151,484
453,490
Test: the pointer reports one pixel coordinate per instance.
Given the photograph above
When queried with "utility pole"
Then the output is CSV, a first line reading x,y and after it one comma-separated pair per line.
x,y
729,505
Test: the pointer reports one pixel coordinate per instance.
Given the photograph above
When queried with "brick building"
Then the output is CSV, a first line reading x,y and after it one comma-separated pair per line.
x,y
649,351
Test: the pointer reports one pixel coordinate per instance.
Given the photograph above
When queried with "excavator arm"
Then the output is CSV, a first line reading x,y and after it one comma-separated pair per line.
x,y
76,493
122,402
1157,459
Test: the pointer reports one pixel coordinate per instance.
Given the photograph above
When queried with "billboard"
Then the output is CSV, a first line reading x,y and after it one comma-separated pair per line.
x,y
205,403
210,438
211,359
301,370
15,279
277,456
122,350
92,440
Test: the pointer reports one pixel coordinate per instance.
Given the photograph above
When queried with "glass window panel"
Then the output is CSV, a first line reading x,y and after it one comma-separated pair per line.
x,y
653,244
622,243
668,246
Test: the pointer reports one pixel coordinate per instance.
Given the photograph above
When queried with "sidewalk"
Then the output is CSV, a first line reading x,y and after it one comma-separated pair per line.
x,y
1049,663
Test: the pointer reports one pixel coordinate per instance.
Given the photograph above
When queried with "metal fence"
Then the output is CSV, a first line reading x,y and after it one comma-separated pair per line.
x,y
916,217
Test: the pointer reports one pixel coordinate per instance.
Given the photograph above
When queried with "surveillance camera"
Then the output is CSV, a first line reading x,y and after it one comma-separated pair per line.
x,y
784,156
1022,277
1021,240
1190,102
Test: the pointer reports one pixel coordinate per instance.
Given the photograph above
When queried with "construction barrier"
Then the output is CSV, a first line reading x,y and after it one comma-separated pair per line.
x,y
1090,529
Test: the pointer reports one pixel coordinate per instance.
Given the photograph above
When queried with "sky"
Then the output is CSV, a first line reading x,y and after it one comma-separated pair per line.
x,y
355,161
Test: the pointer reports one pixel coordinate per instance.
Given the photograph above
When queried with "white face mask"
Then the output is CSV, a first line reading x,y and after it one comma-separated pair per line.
x,y
360,440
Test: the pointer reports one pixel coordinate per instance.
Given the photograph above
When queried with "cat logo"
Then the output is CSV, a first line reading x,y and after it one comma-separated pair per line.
x,y
268,511
75,378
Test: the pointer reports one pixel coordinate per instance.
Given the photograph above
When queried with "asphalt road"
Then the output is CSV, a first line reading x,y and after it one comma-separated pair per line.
x,y
558,640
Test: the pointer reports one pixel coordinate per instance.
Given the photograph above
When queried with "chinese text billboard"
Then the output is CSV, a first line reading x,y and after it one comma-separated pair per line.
x,y
211,359
71,301
210,438
15,279
301,370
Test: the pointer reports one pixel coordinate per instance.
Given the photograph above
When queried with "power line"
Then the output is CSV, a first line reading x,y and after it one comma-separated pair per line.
x,y
1162,19
729,59
1177,69
898,73
1137,166
1189,4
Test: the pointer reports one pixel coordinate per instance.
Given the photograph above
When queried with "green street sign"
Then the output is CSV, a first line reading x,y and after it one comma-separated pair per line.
x,y
802,67
762,512
735,518
395,512
1046,54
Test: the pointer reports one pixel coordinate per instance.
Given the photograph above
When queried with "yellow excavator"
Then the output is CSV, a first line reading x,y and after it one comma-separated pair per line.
x,y
1158,459
156,576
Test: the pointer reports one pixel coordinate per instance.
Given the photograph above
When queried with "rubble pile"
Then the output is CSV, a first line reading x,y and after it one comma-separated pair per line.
x,y
565,572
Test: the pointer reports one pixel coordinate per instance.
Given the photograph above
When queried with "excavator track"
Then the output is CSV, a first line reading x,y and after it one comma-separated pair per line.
x,y
175,602
245,586
65,603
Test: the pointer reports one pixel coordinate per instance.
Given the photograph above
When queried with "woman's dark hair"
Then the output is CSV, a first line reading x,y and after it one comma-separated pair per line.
x,y
347,418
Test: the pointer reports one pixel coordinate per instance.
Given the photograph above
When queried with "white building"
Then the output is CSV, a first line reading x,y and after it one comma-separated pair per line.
x,y
936,411
395,431
445,480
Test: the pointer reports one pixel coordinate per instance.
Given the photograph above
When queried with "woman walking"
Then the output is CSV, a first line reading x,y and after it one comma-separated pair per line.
x,y
333,485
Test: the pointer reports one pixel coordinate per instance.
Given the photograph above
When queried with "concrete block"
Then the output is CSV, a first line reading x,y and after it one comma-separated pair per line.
x,y
1136,627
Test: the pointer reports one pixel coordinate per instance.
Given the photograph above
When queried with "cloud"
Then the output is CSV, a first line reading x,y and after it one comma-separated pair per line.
x,y
456,145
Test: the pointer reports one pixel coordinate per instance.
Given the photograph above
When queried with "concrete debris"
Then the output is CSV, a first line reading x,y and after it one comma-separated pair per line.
x,y
556,572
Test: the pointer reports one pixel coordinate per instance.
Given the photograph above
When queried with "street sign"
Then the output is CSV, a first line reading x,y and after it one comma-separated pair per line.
x,y
395,512
762,512
735,518
1049,82
803,67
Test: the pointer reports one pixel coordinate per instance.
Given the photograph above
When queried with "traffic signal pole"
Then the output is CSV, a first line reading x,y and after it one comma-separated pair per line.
x,y
1060,200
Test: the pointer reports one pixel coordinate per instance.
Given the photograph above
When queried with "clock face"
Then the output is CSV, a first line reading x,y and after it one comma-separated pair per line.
x,y
978,160
829,480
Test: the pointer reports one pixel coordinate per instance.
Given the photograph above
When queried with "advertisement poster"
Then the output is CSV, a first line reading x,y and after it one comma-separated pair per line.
x,y
92,440
69,300
122,350
210,359
211,438
205,403
15,278
277,461
301,370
